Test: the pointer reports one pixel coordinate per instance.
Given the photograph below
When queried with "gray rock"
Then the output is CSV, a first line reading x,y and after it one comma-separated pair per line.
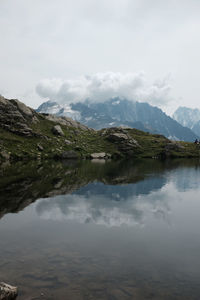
x,y
119,136
25,110
67,122
16,117
100,155
40,148
22,129
35,120
57,130
122,138
3,100
68,142
7,292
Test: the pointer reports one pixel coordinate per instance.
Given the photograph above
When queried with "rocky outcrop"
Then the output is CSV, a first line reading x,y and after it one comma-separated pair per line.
x,y
18,118
122,139
7,292
66,122
15,116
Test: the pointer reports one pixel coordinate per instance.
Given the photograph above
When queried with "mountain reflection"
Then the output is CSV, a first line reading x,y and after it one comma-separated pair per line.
x,y
117,205
186,178
112,194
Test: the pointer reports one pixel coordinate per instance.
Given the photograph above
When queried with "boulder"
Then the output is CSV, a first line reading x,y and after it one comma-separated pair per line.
x,y
7,292
67,142
25,110
121,137
22,129
57,130
118,137
100,155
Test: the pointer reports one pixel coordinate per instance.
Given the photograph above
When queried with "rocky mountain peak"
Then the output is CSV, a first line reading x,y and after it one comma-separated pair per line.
x,y
18,118
117,112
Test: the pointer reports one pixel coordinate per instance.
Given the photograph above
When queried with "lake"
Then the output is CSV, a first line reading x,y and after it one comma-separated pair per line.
x,y
101,230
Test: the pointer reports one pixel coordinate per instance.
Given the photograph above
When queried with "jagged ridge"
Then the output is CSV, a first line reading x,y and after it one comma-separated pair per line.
x,y
121,112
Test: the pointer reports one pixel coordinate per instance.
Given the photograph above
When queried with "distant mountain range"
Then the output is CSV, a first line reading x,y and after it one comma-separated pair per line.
x,y
121,112
188,117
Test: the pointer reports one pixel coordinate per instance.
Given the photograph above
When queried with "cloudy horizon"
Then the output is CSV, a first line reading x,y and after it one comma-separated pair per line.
x,y
100,87
149,51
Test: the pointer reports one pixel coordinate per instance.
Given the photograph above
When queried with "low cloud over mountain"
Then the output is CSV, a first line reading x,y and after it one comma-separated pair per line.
x,y
102,86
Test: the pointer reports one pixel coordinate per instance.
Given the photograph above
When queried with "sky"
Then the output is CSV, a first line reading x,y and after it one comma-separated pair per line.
x,y
145,50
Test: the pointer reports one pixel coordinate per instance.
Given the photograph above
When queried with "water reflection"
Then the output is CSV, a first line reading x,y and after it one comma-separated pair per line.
x,y
186,178
118,230
110,205
107,194
20,185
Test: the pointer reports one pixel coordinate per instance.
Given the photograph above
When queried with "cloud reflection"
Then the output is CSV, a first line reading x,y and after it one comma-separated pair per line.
x,y
124,204
110,208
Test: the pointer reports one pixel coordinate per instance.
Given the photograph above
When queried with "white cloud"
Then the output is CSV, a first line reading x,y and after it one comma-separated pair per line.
x,y
64,39
102,86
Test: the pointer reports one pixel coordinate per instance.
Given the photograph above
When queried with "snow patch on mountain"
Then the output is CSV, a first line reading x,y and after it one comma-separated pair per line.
x,y
126,113
60,110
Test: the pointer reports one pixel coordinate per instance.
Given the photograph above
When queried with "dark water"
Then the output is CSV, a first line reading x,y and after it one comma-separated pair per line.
x,y
114,230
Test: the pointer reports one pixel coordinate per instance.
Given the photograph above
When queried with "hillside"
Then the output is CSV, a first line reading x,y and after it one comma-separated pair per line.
x,y
26,134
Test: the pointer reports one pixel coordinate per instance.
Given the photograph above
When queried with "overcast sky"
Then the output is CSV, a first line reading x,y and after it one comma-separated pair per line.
x,y
81,43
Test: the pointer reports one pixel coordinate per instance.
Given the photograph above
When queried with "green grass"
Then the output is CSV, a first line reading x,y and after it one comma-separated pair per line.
x,y
84,143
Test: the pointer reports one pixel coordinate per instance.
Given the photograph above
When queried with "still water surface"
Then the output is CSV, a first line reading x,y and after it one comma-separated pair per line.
x,y
114,230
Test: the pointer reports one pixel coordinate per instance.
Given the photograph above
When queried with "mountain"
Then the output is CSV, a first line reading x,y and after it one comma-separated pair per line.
x,y
121,112
188,117
28,135
87,114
